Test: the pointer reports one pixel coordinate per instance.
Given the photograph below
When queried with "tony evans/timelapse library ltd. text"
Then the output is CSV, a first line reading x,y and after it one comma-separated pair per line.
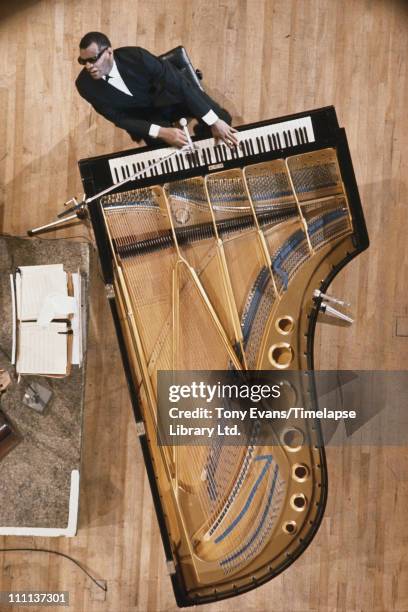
x,y
224,420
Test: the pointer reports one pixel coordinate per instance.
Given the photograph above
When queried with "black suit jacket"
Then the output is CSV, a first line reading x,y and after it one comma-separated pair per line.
x,y
154,83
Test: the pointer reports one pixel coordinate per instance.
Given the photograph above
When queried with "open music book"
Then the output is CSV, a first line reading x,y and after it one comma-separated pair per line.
x,y
43,313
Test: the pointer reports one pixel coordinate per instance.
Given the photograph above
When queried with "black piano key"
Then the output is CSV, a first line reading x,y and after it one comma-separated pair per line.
x,y
117,175
197,158
204,155
305,134
251,146
263,144
271,142
290,138
285,139
187,161
275,142
123,173
278,140
134,168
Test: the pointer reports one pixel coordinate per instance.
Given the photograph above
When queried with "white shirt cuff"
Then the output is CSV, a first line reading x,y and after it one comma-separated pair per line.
x,y
154,130
210,118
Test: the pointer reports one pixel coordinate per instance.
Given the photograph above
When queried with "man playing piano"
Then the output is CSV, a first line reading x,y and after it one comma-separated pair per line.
x,y
145,95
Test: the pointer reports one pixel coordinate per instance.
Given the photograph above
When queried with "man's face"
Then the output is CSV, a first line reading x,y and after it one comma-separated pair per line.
x,y
103,65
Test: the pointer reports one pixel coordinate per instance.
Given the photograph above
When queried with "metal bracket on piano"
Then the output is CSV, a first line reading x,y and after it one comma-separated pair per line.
x,y
140,429
110,293
171,568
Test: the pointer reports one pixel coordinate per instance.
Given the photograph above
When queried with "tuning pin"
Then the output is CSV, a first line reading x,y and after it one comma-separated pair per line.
x,y
326,308
318,294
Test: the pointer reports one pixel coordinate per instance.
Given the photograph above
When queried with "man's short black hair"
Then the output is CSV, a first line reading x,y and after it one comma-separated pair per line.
x,y
94,37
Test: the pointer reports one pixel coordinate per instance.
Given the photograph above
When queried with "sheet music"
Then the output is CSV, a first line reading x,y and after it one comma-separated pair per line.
x,y
34,284
42,350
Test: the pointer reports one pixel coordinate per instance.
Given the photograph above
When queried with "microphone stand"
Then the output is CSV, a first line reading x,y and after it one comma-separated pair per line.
x,y
80,209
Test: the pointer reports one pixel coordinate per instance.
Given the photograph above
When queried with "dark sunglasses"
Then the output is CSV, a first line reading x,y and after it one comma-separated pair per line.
x,y
91,60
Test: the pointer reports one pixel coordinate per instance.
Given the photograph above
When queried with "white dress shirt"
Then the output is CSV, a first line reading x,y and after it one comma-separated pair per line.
x,y
114,78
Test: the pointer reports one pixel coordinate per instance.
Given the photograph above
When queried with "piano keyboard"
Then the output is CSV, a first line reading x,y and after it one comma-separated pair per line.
x,y
253,142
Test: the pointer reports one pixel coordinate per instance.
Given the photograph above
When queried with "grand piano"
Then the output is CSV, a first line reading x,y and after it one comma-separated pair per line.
x,y
214,260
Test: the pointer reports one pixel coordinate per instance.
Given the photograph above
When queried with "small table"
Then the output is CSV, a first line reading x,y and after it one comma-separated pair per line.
x,y
39,478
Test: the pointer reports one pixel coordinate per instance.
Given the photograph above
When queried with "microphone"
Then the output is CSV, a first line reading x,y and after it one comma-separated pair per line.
x,y
183,123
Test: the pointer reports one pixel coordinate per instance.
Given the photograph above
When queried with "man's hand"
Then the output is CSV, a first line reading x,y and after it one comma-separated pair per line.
x,y
222,131
173,136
